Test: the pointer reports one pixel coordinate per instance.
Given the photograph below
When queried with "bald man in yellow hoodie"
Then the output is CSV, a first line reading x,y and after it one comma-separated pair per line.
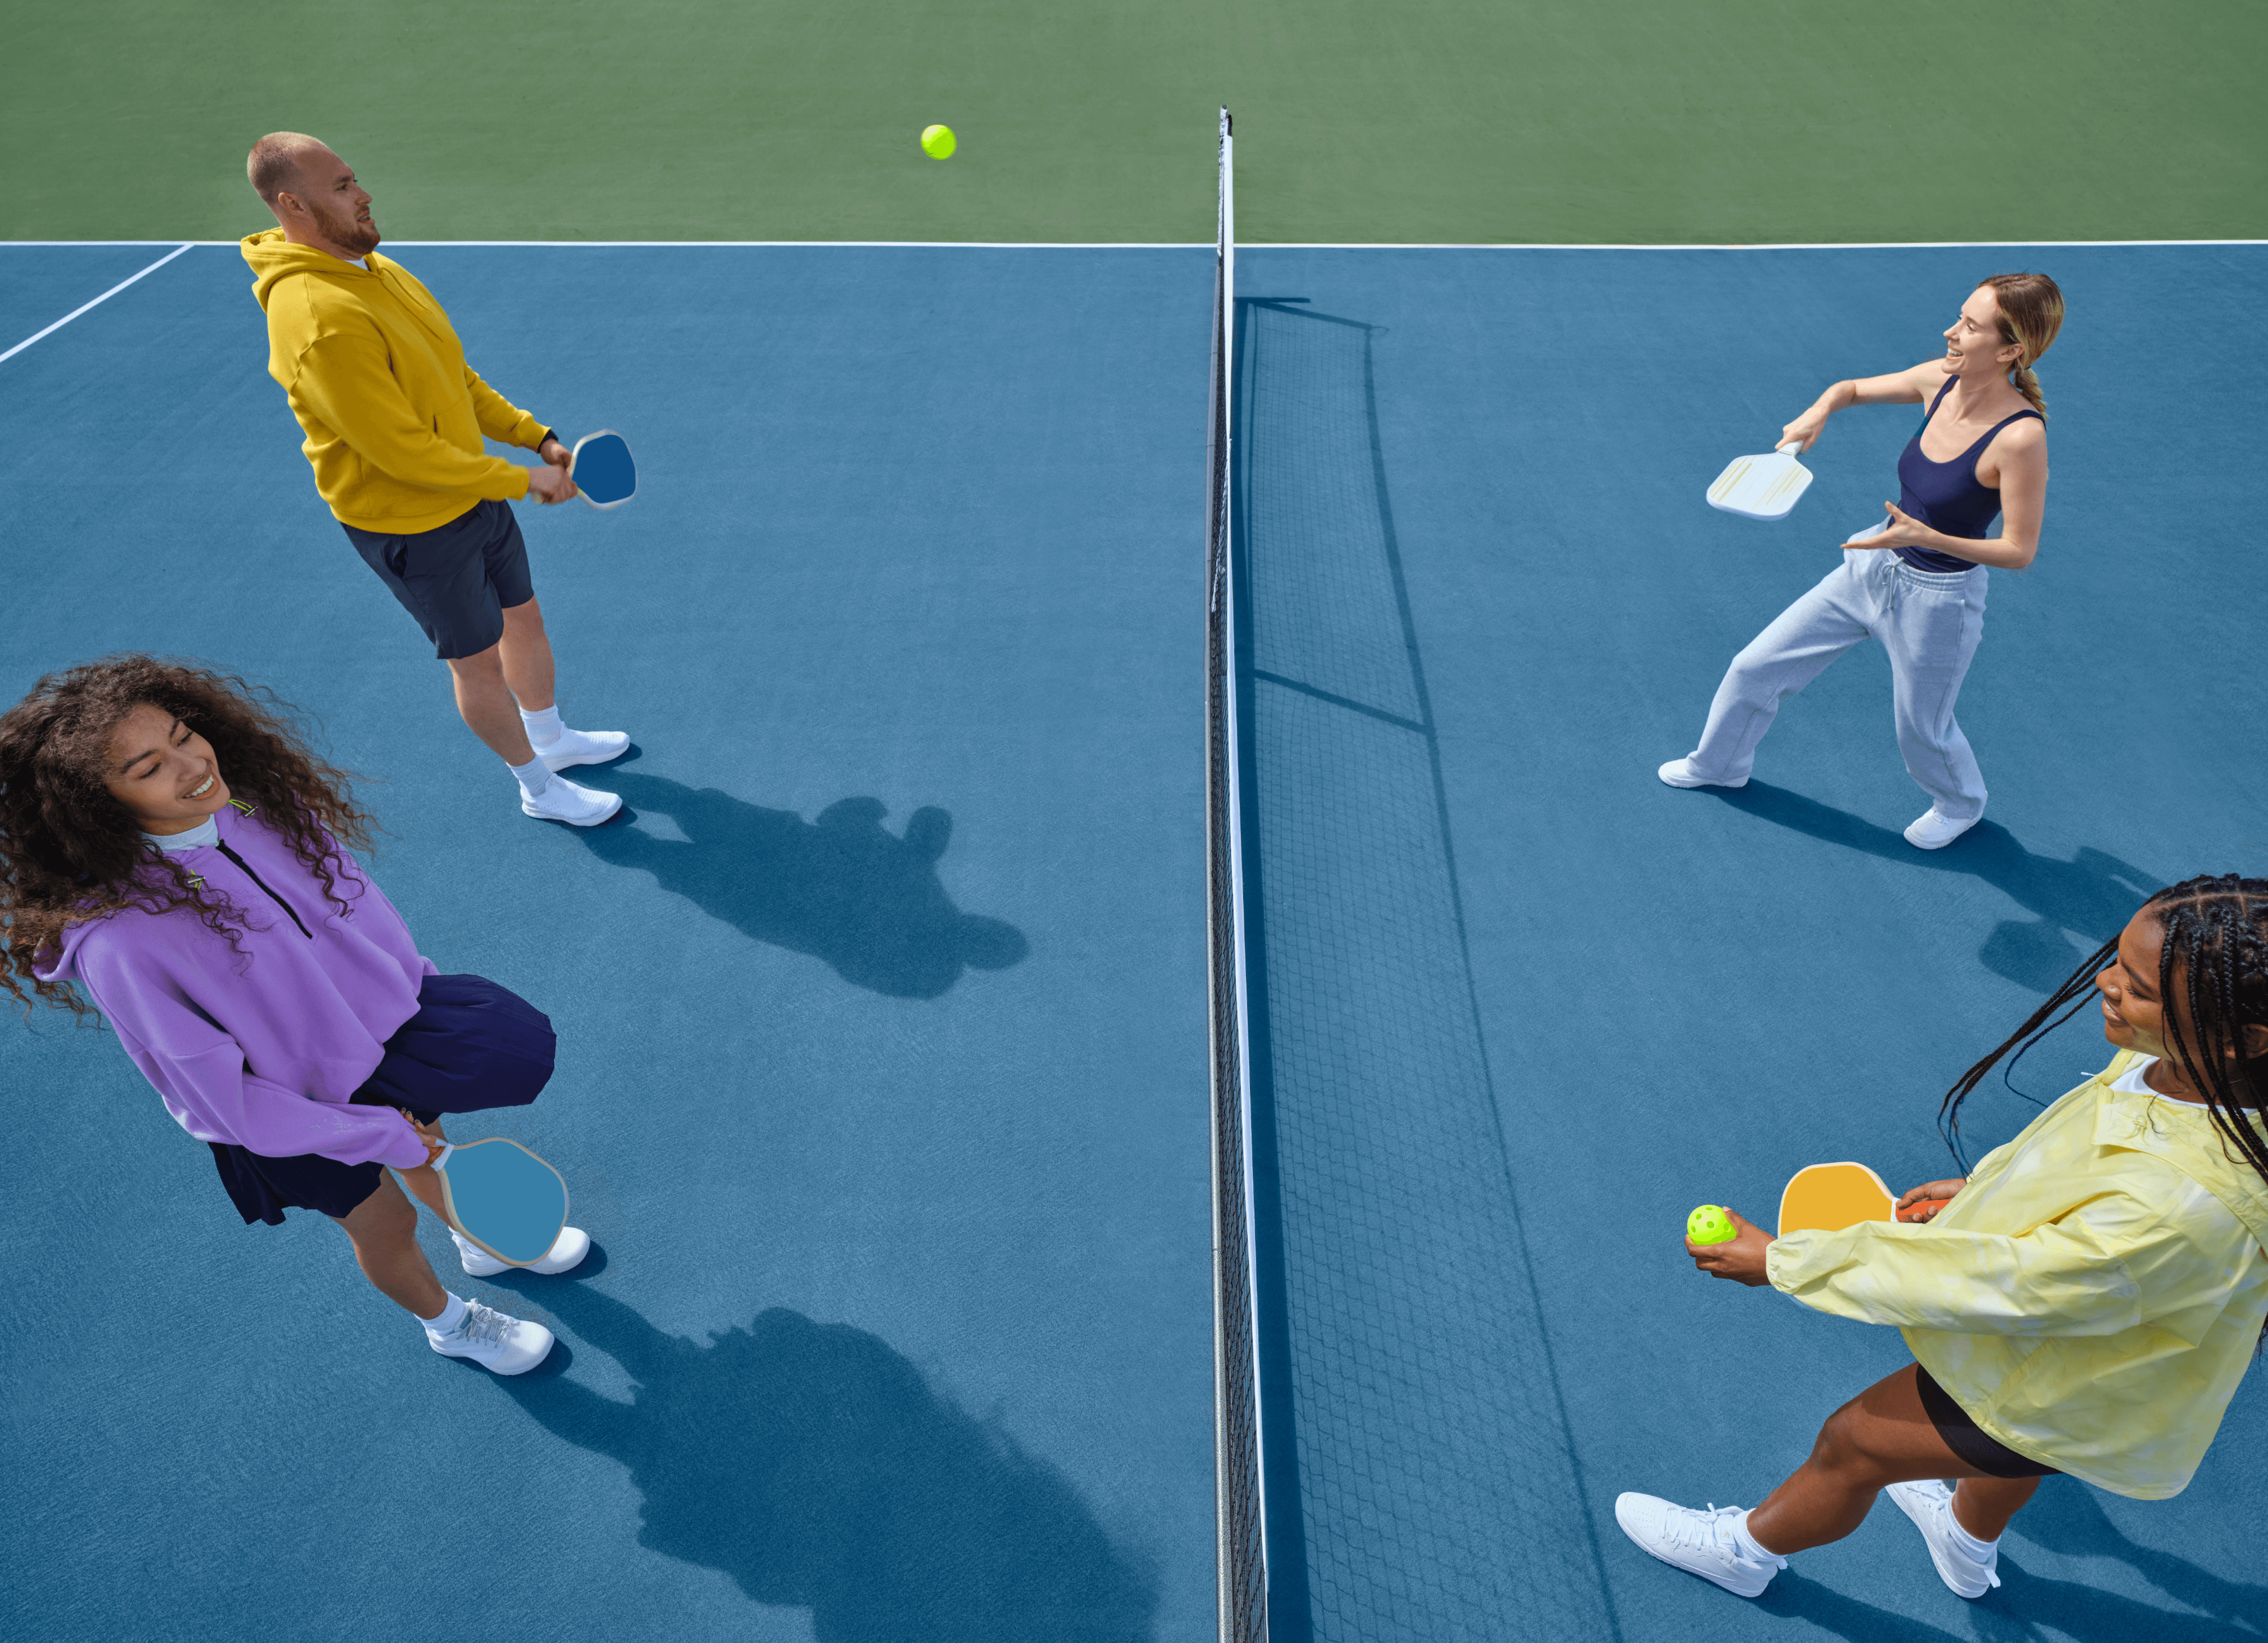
x,y
394,418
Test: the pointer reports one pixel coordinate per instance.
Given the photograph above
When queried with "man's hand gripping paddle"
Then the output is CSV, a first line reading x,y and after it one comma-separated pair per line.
x,y
1755,486
502,1197
603,471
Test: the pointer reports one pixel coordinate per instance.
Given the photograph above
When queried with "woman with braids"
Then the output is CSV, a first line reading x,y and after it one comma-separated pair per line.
x,y
1917,583
2085,1301
172,853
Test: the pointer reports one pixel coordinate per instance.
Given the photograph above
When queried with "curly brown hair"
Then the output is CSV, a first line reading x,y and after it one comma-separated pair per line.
x,y
69,852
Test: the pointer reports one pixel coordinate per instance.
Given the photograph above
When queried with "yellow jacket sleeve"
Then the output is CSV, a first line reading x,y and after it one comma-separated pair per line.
x,y
2084,1274
343,380
500,419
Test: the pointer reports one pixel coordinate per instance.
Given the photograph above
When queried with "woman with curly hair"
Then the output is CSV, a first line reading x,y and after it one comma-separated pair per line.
x,y
171,851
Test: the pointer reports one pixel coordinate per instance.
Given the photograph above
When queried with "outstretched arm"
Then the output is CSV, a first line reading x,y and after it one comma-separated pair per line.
x,y
1910,387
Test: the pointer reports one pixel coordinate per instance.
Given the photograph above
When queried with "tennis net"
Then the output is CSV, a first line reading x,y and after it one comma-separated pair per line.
x,y
1241,1524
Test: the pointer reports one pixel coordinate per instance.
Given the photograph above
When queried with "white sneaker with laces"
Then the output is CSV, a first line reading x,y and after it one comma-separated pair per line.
x,y
562,800
494,1340
1932,831
574,1243
1681,773
585,747
1929,1503
1699,1543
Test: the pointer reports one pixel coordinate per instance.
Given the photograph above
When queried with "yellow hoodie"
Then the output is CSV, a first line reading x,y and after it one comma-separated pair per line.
x,y
376,376
2091,1298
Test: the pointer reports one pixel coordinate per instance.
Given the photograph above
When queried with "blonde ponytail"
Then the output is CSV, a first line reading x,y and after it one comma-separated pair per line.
x,y
2031,314
2028,384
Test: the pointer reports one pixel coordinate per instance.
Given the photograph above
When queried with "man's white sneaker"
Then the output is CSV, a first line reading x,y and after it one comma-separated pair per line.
x,y
1932,831
1681,773
494,1340
574,1243
1929,1503
562,800
585,747
1699,1543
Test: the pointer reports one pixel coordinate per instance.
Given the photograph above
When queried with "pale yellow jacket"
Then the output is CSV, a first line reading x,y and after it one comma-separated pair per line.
x,y
2091,1298
374,372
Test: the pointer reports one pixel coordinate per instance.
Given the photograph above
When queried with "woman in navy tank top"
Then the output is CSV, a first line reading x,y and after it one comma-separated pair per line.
x,y
1917,582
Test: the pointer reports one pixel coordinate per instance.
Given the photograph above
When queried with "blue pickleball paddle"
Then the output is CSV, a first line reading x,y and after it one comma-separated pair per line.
x,y
602,468
505,1198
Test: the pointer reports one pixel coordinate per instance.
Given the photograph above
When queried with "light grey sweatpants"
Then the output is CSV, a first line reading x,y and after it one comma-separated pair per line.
x,y
1929,621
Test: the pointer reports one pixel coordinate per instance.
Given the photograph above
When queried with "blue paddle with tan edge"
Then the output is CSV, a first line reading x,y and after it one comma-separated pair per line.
x,y
603,469
502,1197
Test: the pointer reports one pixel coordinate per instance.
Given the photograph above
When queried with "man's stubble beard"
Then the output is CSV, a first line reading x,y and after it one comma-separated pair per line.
x,y
354,238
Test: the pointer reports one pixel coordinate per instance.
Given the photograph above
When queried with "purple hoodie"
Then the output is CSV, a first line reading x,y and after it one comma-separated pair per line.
x,y
261,1047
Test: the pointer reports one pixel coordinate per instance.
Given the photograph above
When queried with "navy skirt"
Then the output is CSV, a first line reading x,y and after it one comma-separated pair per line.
x,y
473,1046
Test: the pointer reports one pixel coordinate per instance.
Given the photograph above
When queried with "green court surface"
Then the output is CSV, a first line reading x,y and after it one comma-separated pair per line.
x,y
1428,120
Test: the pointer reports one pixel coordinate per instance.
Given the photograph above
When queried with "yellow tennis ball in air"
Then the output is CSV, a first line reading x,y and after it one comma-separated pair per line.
x,y
937,141
1710,1224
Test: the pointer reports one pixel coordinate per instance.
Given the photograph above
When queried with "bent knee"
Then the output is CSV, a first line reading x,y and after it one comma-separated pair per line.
x,y
1842,1443
385,1216
480,665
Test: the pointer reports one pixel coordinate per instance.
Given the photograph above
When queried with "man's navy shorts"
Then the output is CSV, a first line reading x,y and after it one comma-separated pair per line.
x,y
458,579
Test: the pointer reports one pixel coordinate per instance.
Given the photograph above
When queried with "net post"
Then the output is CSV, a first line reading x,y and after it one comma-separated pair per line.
x,y
1241,1513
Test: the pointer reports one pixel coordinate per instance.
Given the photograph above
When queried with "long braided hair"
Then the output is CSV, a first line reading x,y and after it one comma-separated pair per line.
x,y
69,852
2213,975
2031,313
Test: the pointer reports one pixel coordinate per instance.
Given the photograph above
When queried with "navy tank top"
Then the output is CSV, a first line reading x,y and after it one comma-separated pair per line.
x,y
1947,496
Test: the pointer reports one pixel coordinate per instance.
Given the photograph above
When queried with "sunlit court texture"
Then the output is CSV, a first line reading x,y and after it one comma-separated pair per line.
x,y
1108,891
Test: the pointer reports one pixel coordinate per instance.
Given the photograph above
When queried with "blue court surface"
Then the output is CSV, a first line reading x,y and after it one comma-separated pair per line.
x,y
883,1076
882,1081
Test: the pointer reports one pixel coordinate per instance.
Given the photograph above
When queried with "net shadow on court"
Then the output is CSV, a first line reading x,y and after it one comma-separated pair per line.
x,y
1418,1464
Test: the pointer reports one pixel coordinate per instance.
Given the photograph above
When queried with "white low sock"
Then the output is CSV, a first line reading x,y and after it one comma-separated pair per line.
x,y
535,777
449,1317
543,725
1980,1550
1748,1543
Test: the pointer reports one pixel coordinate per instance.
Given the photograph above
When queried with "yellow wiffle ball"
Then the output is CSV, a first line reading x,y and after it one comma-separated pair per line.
x,y
1710,1224
937,141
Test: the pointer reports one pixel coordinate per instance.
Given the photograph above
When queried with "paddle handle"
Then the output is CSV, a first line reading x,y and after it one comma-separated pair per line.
x,y
1793,447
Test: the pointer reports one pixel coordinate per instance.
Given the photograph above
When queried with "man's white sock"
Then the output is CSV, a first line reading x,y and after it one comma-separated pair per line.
x,y
543,725
535,777
449,1317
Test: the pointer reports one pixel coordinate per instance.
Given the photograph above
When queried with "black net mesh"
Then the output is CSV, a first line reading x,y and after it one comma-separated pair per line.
x,y
1420,1483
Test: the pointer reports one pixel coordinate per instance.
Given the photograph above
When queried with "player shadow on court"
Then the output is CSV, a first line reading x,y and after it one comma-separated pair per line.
x,y
2088,899
843,888
813,1465
2064,1518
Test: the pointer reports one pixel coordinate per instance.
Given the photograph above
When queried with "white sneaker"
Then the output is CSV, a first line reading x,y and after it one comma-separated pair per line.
x,y
1699,1543
574,1243
1929,1503
1681,773
562,800
1932,831
494,1340
585,747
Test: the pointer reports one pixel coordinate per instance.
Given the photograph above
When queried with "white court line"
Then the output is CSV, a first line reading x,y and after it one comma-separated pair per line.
x,y
1789,245
98,301
1249,245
